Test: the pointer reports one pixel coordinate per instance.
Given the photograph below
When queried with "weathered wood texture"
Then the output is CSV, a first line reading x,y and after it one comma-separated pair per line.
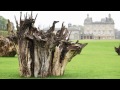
x,y
117,50
42,54
7,48
9,27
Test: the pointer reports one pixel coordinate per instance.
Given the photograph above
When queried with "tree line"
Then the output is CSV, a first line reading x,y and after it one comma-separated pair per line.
x,y
3,23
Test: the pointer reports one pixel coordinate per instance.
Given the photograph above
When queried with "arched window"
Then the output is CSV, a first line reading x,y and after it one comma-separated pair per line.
x,y
99,32
76,36
103,32
88,32
110,31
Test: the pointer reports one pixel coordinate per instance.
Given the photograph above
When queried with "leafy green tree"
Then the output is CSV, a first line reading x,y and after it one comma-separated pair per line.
x,y
3,23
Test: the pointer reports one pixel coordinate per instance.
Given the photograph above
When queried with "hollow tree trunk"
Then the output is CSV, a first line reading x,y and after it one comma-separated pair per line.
x,y
42,54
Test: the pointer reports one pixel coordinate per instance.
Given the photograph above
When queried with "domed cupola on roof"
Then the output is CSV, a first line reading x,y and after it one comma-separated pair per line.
x,y
69,25
88,20
110,20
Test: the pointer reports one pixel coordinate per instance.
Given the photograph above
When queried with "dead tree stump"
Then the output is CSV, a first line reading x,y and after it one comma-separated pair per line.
x,y
117,50
40,53
7,48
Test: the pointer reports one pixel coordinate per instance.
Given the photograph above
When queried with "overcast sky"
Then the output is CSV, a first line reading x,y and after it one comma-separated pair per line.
x,y
45,18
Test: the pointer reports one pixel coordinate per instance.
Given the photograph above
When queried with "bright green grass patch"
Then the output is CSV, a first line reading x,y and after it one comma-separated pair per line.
x,y
98,60
9,68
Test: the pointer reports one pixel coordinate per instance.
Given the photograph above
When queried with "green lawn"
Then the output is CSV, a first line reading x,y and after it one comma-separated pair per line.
x,y
98,60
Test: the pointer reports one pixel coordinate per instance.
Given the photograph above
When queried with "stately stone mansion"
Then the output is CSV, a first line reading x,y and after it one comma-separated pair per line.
x,y
103,29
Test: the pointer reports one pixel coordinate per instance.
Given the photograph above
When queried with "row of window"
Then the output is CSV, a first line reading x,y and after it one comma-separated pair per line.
x,y
76,36
99,32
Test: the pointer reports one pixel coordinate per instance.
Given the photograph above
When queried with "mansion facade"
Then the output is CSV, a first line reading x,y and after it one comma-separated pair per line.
x,y
103,29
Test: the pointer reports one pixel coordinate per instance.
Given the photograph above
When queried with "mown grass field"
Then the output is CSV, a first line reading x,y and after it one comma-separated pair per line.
x,y
98,60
